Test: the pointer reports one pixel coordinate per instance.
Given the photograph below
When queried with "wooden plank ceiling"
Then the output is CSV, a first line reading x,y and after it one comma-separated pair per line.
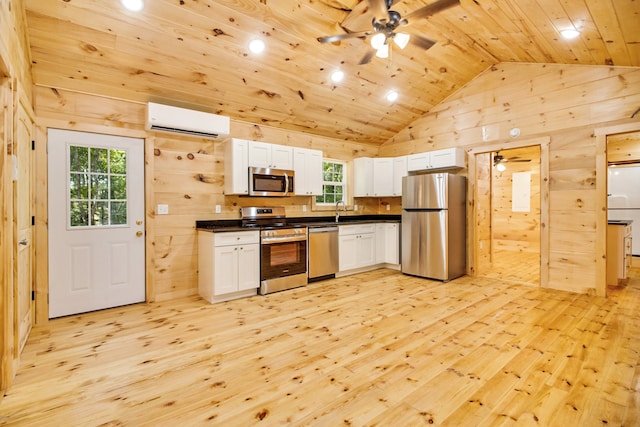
x,y
193,53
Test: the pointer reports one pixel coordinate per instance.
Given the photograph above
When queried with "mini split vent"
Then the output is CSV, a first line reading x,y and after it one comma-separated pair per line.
x,y
166,118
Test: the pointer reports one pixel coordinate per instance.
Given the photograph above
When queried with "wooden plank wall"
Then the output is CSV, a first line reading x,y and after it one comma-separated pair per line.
x,y
15,71
187,173
566,103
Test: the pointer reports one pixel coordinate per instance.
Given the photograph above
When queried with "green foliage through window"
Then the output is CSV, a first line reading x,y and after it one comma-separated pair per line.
x,y
333,183
97,186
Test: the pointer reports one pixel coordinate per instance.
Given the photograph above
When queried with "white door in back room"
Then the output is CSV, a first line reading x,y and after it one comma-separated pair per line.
x,y
96,221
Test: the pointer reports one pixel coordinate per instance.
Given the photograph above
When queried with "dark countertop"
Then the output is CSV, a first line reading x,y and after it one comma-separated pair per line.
x,y
624,222
228,225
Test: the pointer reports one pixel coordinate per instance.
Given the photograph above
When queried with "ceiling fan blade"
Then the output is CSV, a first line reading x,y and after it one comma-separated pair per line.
x,y
378,9
338,37
421,41
367,57
430,9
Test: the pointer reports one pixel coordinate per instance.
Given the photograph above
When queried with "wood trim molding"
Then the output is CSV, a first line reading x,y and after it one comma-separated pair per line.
x,y
150,203
7,237
89,127
545,231
41,232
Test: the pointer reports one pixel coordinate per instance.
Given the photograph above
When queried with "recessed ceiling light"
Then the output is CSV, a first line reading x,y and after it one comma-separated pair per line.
x,y
256,46
337,76
392,96
133,5
569,34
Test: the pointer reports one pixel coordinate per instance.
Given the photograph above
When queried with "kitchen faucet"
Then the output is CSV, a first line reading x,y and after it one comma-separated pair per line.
x,y
337,211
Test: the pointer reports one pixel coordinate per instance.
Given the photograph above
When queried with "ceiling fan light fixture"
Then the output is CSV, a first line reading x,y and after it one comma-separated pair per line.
x,y
378,41
501,167
383,52
401,39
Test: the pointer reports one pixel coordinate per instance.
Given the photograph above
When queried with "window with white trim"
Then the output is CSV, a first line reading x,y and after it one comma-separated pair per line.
x,y
334,182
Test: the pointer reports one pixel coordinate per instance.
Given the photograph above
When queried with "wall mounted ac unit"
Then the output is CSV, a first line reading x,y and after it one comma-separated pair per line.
x,y
181,120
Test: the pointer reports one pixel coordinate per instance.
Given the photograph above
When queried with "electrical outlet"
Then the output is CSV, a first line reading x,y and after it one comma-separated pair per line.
x,y
162,210
218,209
304,208
355,207
388,207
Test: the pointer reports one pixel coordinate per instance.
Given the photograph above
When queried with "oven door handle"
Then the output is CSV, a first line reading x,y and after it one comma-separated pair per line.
x,y
283,239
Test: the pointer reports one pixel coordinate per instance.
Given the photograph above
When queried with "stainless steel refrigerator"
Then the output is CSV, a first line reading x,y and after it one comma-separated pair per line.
x,y
434,226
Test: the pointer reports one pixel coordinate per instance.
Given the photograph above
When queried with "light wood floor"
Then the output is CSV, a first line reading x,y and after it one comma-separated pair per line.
x,y
515,267
378,348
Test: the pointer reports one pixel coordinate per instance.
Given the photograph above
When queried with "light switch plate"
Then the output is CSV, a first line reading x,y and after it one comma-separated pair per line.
x,y
388,207
162,210
304,208
355,207
218,209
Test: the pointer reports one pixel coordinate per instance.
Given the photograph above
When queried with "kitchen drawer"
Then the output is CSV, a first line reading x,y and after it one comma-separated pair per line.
x,y
236,238
347,230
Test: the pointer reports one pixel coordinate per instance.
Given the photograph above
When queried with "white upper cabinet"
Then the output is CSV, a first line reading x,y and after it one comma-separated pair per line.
x,y
265,155
383,176
374,177
236,166
418,162
307,165
399,172
447,158
363,177
439,159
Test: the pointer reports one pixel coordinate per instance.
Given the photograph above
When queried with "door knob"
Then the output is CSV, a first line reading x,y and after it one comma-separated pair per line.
x,y
138,233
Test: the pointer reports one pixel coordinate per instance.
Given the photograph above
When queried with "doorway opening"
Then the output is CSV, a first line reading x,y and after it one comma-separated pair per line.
x,y
509,190
623,205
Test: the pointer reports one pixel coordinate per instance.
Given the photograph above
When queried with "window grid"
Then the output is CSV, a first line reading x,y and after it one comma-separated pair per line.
x,y
97,187
333,183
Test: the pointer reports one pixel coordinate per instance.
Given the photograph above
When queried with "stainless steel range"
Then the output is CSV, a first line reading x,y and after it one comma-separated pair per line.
x,y
283,248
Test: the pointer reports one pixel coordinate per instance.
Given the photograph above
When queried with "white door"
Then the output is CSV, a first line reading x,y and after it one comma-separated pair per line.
x,y
96,221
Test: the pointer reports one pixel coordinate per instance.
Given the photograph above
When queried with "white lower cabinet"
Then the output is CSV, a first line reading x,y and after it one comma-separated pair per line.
x,y
228,264
357,246
387,243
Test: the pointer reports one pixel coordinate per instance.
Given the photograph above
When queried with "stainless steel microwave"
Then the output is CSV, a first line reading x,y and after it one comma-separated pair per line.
x,y
268,182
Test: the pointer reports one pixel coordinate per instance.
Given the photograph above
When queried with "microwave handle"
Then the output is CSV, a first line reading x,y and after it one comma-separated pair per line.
x,y
286,184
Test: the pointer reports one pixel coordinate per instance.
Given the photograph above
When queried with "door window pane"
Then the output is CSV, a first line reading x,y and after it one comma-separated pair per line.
x,y
97,194
99,160
79,159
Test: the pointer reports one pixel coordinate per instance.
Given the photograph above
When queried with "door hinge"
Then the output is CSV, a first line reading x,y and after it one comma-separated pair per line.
x,y
33,295
33,220
33,144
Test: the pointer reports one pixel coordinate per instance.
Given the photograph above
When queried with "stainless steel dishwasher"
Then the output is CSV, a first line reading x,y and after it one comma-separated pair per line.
x,y
323,252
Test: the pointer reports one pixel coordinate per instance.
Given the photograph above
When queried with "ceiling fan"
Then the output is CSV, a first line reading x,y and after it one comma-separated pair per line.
x,y
499,160
390,25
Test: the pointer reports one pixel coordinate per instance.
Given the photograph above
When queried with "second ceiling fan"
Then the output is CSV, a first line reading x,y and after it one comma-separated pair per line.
x,y
388,25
